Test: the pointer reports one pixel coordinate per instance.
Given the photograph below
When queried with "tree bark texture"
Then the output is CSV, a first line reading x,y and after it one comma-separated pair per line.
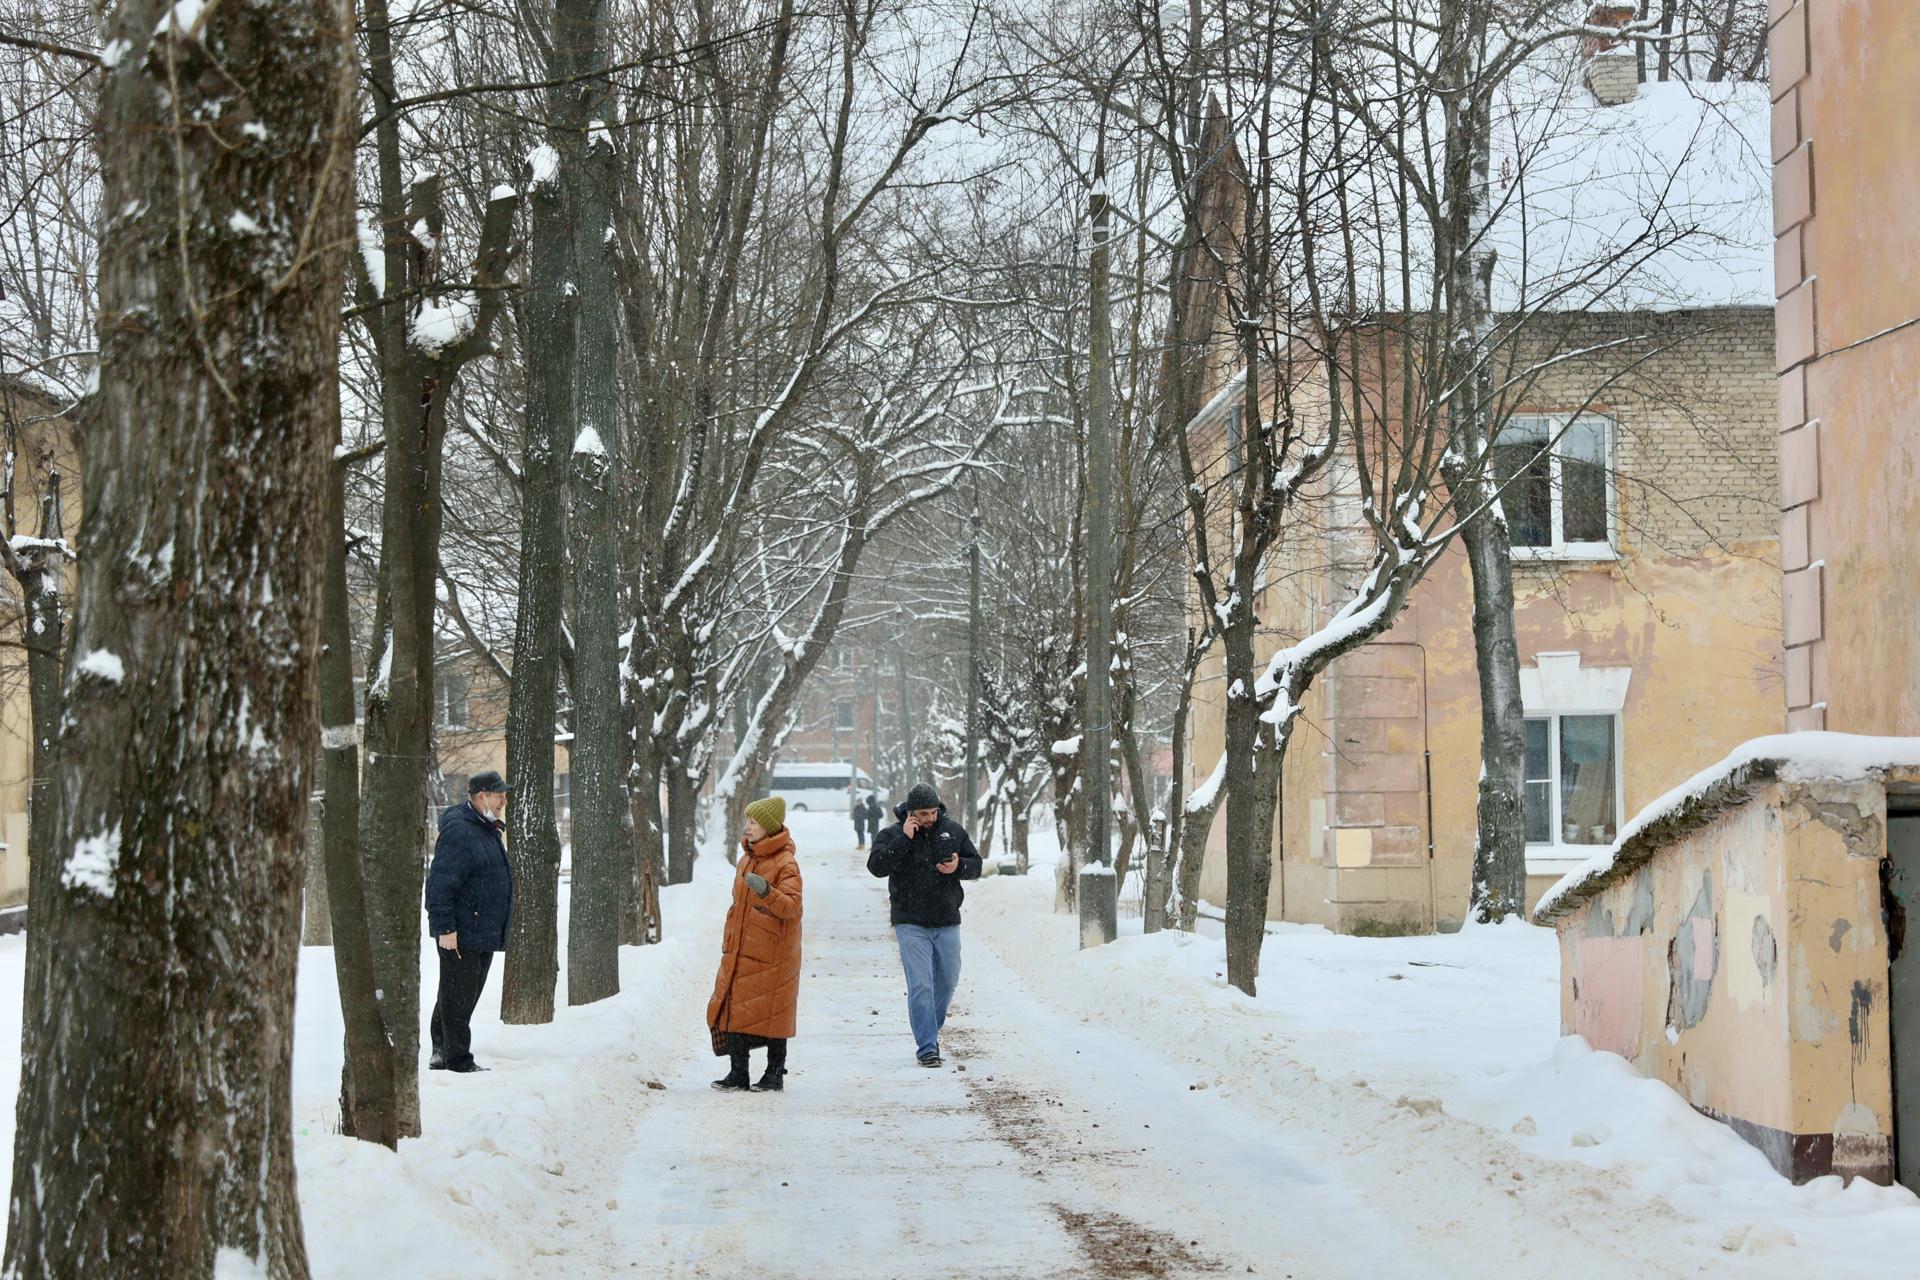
x,y
1467,260
551,319
154,1139
369,1108
602,853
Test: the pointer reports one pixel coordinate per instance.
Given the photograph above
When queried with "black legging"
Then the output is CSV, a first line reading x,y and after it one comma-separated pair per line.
x,y
776,1052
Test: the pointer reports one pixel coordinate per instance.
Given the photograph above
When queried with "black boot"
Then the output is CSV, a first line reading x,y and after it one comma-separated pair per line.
x,y
736,1079
771,1080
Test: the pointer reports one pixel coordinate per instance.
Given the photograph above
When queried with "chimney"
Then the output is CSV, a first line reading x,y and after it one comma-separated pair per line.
x,y
1610,70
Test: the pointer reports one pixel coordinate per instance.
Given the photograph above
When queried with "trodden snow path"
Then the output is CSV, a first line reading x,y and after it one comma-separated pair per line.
x,y
1100,1115
1024,1156
1046,1147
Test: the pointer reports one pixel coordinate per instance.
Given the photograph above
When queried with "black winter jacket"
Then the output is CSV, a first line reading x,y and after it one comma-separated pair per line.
x,y
470,887
918,893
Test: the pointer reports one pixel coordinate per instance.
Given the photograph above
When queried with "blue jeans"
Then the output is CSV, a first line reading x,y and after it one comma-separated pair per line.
x,y
931,958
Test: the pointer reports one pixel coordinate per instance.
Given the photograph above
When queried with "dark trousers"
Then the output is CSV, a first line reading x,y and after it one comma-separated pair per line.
x,y
739,1046
462,976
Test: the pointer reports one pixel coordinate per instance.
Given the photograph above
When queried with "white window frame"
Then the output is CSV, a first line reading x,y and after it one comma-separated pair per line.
x,y
853,715
1553,857
443,702
1560,549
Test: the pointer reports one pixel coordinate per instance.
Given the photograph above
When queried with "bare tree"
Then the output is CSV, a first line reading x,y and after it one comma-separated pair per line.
x,y
181,774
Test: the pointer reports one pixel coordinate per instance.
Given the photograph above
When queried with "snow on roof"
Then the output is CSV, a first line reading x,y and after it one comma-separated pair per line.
x,y
1660,203
1788,757
838,769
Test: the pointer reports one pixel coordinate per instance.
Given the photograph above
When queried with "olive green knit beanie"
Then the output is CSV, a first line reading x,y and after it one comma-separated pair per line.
x,y
770,812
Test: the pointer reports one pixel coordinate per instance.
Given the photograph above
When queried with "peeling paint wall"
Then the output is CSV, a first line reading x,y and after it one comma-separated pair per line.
x,y
1746,966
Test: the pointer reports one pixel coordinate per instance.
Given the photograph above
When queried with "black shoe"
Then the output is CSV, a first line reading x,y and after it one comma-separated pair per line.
x,y
772,1081
733,1082
466,1068
929,1059
438,1062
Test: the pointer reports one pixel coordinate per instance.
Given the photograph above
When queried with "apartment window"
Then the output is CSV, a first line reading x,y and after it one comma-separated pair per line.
x,y
842,660
844,717
1557,492
1573,780
450,702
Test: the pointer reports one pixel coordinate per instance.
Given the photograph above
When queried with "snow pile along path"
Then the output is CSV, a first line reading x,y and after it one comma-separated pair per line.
x,y
1432,1068
512,1175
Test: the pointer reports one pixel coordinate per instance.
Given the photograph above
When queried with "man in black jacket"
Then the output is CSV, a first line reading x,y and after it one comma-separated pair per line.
x,y
469,904
924,857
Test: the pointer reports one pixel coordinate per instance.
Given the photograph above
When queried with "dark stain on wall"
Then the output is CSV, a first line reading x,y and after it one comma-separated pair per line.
x,y
1766,951
1859,1017
1687,989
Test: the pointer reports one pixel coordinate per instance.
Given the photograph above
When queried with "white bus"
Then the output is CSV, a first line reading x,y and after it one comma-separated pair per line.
x,y
819,788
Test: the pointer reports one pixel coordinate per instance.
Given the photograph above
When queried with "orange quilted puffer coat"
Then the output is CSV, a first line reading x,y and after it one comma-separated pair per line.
x,y
757,991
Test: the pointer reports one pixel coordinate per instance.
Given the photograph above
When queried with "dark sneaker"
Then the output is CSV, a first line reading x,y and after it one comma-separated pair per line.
x,y
772,1081
733,1082
466,1068
929,1059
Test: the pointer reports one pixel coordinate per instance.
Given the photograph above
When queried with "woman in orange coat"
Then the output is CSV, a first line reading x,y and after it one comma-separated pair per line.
x,y
757,992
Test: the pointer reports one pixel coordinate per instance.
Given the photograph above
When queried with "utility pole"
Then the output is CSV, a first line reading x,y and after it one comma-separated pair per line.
x,y
1098,892
973,666
906,708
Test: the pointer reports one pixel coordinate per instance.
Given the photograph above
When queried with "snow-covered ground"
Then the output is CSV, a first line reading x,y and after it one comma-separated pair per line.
x,y
1460,1033
1385,1107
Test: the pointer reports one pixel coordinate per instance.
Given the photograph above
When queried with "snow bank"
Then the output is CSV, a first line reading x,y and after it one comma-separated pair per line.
x,y
1792,757
1461,1033
509,1152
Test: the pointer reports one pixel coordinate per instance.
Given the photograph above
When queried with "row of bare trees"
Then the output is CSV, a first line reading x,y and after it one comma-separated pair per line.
x,y
643,356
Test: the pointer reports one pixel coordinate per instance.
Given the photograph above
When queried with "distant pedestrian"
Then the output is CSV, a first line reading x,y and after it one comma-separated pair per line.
x,y
469,905
756,994
875,815
859,811
924,858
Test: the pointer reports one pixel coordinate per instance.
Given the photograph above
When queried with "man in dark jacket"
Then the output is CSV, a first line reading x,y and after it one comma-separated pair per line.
x,y
924,857
469,904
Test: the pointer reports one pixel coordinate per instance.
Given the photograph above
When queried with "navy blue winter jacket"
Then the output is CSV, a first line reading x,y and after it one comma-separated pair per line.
x,y
917,892
470,886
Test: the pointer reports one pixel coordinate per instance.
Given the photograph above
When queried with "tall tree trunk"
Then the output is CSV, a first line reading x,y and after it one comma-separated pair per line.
x,y
369,1107
1195,827
533,947
316,924
602,854
1249,808
156,1139
40,575
1500,844
417,375
1467,258
649,850
682,822
1096,715
1020,828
